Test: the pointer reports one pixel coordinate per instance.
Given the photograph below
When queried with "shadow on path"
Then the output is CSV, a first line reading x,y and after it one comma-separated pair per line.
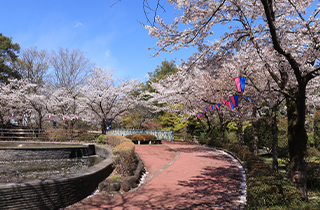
x,y
201,178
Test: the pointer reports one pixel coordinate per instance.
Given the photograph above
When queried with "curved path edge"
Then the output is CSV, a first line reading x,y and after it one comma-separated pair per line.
x,y
243,186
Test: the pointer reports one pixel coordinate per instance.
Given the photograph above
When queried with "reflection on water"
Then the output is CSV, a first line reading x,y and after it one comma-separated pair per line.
x,y
15,171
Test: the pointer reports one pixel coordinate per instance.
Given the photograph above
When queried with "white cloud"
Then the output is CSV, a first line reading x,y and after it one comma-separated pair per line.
x,y
108,53
78,24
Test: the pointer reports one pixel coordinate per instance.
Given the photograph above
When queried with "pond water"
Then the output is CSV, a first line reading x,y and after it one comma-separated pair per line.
x,y
24,145
16,171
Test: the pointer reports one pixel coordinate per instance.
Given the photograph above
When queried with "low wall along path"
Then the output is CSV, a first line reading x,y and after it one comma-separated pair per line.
x,y
56,192
166,135
180,176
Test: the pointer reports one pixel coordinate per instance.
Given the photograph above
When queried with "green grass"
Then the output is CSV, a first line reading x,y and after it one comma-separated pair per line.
x,y
116,179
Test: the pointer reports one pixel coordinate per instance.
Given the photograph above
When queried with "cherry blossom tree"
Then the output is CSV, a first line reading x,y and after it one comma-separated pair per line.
x,y
283,34
108,97
188,94
66,107
13,105
35,103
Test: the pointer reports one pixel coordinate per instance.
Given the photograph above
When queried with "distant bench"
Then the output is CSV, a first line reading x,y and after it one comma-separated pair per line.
x,y
146,141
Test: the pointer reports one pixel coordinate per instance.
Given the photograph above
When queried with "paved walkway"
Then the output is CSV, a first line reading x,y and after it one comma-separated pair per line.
x,y
180,176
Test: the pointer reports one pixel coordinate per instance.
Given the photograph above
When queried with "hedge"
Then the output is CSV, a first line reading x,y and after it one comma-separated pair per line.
x,y
142,137
123,152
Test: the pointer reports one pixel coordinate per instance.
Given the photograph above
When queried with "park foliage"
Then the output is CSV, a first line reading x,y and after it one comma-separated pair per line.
x,y
142,137
123,152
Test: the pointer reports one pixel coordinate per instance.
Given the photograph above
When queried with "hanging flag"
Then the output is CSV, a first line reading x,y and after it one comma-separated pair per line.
x,y
234,100
240,83
211,107
206,110
224,101
250,99
218,106
201,114
229,104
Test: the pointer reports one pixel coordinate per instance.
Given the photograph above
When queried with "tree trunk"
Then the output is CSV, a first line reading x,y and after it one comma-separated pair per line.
x,y
240,136
38,134
40,122
255,138
297,140
222,130
71,130
2,127
274,129
104,126
223,125
254,131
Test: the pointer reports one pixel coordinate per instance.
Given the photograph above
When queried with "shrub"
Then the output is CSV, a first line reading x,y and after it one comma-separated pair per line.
x,y
316,127
264,134
214,142
124,157
112,140
313,168
123,153
203,141
310,139
283,133
100,139
142,137
267,191
265,188
231,136
313,152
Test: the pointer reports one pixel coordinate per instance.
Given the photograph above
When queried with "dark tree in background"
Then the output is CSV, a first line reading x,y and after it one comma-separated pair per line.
x,y
317,129
8,59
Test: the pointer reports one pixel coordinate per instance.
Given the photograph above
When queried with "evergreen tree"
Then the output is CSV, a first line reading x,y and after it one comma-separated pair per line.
x,y
8,58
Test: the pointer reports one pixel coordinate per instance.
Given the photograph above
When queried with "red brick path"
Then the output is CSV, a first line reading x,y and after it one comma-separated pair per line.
x,y
180,176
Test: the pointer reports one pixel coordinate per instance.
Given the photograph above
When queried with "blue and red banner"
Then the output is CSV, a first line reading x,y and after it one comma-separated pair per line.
x,y
240,82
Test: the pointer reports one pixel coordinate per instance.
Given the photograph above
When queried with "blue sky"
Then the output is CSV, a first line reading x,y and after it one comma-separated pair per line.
x,y
110,36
